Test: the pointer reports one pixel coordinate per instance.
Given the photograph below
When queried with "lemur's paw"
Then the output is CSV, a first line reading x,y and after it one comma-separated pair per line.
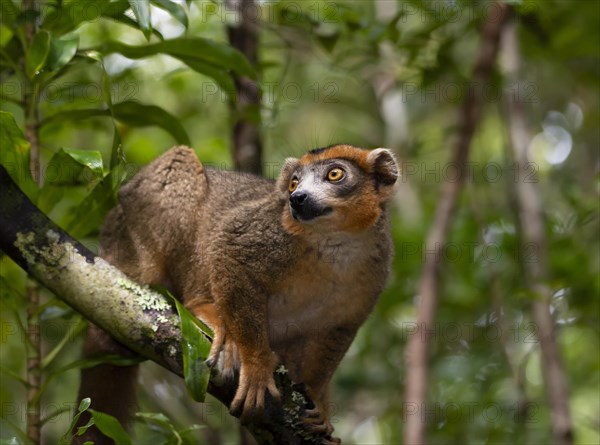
x,y
224,355
231,360
249,400
215,349
315,422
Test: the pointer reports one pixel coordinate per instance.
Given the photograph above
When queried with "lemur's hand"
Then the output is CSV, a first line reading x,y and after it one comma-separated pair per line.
x,y
256,378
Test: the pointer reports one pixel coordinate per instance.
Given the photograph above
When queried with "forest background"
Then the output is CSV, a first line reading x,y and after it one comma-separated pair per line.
x,y
97,89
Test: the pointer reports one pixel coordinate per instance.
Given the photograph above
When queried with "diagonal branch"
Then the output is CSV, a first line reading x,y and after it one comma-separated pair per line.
x,y
418,346
139,318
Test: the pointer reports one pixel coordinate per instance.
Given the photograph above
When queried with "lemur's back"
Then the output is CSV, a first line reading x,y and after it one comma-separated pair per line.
x,y
190,200
172,186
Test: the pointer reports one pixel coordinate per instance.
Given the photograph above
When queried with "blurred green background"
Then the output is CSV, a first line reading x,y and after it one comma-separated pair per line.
x,y
372,74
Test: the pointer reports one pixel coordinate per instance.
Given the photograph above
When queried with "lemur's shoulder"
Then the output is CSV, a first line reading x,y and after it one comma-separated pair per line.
x,y
240,187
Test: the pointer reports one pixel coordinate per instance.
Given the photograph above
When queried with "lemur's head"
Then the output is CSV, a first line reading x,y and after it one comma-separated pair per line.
x,y
337,188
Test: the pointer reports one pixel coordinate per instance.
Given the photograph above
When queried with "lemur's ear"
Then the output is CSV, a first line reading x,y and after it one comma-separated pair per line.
x,y
384,167
289,165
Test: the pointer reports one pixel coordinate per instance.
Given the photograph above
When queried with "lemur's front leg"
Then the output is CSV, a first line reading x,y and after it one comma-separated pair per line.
x,y
322,355
243,310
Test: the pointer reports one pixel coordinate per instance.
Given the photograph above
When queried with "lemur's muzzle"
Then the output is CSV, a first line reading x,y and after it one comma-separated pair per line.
x,y
305,208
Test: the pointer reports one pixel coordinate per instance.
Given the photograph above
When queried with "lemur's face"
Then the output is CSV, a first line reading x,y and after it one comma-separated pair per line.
x,y
340,188
315,190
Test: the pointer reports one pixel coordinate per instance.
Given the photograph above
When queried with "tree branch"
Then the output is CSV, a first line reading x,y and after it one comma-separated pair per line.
x,y
243,36
29,103
139,318
417,347
532,233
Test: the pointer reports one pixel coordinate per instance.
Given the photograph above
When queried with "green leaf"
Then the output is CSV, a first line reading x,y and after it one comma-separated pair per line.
x,y
66,168
62,50
14,155
37,53
89,214
159,421
82,429
111,427
195,348
220,76
191,428
140,115
67,436
5,35
126,20
67,17
175,9
154,417
67,115
91,160
141,10
215,53
84,404
199,49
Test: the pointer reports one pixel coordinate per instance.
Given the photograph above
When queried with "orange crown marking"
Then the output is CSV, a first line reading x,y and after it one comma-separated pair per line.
x,y
358,155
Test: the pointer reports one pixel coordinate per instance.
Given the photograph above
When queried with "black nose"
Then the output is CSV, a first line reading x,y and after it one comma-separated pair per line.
x,y
297,199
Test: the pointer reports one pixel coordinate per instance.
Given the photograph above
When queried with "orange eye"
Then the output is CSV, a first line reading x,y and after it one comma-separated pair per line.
x,y
293,184
335,174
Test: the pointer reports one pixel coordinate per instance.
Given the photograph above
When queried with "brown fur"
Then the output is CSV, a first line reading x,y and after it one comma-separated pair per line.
x,y
273,288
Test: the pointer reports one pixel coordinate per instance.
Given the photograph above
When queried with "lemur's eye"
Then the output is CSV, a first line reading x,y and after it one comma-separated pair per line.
x,y
335,174
293,184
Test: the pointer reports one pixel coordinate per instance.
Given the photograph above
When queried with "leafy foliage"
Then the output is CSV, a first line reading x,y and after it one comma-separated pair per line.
x,y
113,84
195,347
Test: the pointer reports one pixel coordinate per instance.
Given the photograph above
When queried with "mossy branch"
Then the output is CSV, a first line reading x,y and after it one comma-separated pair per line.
x,y
141,319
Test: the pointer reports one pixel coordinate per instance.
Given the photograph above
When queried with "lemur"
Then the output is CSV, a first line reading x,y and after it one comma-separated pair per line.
x,y
284,271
